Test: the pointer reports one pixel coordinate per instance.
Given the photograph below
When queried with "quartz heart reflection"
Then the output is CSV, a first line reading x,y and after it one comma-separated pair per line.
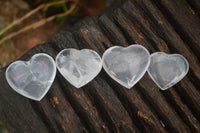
x,y
78,66
33,78
126,65
166,70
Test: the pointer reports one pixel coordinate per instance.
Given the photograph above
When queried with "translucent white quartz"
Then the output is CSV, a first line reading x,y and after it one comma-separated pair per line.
x,y
126,65
34,78
166,70
78,66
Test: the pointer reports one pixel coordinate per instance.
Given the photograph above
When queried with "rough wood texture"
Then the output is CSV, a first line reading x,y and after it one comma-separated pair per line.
x,y
103,105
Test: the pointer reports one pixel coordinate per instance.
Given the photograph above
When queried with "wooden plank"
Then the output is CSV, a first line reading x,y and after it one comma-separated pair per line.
x,y
172,120
103,105
161,46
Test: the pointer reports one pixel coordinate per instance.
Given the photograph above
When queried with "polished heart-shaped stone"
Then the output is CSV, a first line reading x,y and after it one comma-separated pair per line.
x,y
78,66
126,65
33,78
166,70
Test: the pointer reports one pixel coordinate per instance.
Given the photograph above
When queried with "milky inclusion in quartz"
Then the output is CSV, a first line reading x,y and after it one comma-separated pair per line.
x,y
126,65
78,66
32,79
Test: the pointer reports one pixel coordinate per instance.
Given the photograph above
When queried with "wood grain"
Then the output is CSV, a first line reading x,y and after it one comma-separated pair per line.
x,y
103,105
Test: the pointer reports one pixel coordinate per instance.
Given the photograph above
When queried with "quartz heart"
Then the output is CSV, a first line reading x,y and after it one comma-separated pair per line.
x,y
166,70
78,66
126,65
33,78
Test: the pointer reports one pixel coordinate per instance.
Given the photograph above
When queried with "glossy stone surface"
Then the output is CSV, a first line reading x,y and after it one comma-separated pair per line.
x,y
33,78
166,70
126,65
78,66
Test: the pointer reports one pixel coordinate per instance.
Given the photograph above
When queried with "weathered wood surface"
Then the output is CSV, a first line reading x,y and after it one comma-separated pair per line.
x,y
103,105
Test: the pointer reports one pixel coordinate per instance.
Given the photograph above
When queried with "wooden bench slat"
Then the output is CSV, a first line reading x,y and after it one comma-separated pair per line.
x,y
103,105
